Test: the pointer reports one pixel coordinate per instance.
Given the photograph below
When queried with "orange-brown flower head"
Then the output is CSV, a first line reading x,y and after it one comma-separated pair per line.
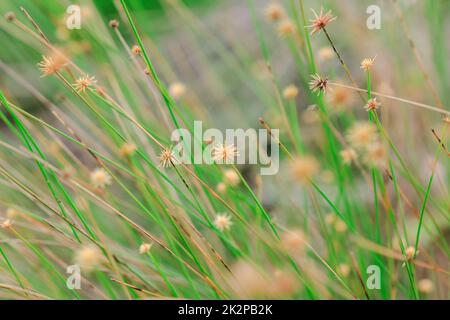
x,y
320,20
274,12
83,83
372,105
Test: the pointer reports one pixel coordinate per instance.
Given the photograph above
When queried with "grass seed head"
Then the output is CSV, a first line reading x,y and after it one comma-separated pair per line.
x,y
100,178
290,92
144,248
286,28
274,12
177,90
372,105
320,20
223,222
88,258
83,83
304,168
362,134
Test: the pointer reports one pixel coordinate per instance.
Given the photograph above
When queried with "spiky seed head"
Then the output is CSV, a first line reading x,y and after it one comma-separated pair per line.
x,y
136,50
224,153
304,168
100,178
367,64
372,105
113,24
83,83
318,84
320,20
286,28
274,12
51,64
223,222
290,92
144,248
167,158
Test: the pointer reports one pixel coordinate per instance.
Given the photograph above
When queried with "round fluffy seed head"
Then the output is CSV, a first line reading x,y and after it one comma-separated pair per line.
x,y
293,242
127,150
52,64
144,248
231,177
425,286
320,20
88,258
274,12
10,16
376,154
83,83
318,84
348,155
6,224
222,188
372,105
100,178
11,213
410,252
224,153
177,90
303,169
330,219
367,64
340,226
223,222
167,158
326,53
344,269
286,28
136,50
113,24
290,92
362,134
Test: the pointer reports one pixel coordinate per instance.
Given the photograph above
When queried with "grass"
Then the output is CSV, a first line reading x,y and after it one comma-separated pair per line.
x,y
82,182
